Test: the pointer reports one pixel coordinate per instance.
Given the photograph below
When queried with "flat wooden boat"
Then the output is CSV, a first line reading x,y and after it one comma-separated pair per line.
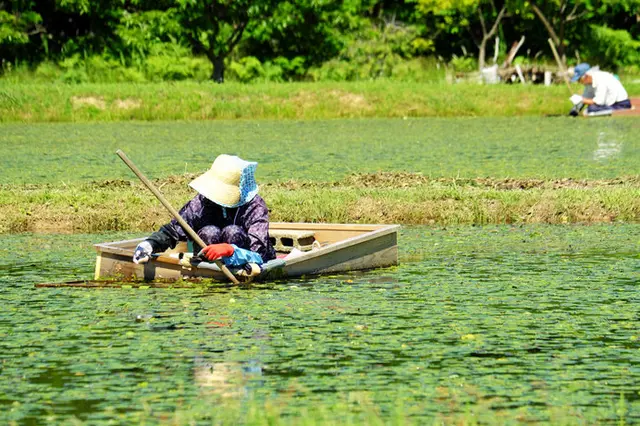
x,y
302,249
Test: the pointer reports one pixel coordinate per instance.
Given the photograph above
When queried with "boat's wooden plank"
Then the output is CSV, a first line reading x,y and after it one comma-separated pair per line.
x,y
121,244
350,242
109,248
379,259
346,255
96,272
128,246
114,265
347,237
363,227
329,233
160,268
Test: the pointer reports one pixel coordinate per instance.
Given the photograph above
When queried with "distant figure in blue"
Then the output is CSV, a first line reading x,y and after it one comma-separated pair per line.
x,y
603,92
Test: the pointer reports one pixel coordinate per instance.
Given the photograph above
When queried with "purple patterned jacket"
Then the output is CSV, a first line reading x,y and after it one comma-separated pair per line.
x,y
253,217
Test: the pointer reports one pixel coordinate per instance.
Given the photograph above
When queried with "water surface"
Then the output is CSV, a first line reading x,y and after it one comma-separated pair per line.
x,y
513,324
523,147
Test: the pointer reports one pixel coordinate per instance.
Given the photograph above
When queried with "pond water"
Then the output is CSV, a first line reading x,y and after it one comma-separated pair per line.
x,y
326,150
500,323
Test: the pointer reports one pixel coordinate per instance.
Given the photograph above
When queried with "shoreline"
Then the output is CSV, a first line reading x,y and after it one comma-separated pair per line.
x,y
193,101
402,198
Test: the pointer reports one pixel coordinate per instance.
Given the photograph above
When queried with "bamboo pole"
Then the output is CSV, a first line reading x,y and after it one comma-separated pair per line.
x,y
512,53
174,213
520,75
560,65
125,284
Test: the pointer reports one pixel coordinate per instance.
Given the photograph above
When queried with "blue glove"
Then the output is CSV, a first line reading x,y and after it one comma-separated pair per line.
x,y
143,252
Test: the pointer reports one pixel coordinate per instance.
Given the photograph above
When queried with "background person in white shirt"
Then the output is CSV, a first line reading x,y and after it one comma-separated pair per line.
x,y
603,92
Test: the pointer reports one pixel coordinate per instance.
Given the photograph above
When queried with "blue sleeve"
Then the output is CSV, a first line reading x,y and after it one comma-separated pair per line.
x,y
241,257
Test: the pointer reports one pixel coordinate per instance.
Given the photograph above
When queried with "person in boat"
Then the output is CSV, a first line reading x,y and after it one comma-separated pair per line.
x,y
603,92
227,213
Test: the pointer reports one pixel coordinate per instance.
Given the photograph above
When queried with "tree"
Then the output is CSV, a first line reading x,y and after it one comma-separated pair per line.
x,y
214,27
143,31
309,29
19,23
80,26
480,18
487,33
591,24
557,15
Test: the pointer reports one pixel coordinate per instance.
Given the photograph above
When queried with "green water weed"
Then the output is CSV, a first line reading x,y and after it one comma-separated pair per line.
x,y
454,148
476,325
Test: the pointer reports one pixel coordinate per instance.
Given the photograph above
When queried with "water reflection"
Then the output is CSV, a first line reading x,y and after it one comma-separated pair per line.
x,y
226,379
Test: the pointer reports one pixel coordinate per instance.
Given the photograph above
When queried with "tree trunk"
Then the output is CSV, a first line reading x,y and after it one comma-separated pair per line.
x,y
557,41
218,69
561,48
486,35
481,53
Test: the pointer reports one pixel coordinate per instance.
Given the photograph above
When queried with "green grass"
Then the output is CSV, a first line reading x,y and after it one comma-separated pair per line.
x,y
38,102
65,177
405,199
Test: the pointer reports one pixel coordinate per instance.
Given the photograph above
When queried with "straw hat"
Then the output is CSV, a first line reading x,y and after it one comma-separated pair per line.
x,y
230,181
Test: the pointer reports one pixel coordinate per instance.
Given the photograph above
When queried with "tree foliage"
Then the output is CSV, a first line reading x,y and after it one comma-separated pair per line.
x,y
216,27
292,39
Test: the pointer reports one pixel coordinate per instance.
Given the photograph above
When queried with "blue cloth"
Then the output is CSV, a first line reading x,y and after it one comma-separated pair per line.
x,y
241,257
248,186
237,237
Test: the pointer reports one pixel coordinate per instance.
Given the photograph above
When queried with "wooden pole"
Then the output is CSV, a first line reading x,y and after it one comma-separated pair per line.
x,y
174,213
512,52
120,284
560,65
520,75
496,48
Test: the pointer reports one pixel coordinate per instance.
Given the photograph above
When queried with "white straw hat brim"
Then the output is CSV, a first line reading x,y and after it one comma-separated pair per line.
x,y
215,190
230,181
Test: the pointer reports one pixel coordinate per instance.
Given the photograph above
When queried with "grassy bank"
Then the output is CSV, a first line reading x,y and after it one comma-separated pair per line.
x,y
364,198
206,101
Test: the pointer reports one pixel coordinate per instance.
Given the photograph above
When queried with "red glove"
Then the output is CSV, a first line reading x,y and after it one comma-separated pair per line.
x,y
216,251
